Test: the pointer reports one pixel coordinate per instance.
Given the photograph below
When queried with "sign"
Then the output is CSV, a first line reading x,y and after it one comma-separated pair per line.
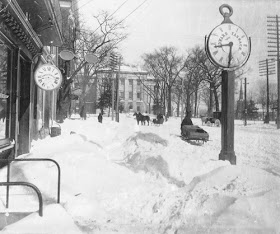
x,y
48,77
91,58
66,55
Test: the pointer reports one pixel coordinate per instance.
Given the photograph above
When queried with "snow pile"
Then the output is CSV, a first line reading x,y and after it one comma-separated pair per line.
x,y
125,178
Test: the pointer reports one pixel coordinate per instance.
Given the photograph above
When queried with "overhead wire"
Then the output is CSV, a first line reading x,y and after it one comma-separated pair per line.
x,y
128,16
110,15
135,9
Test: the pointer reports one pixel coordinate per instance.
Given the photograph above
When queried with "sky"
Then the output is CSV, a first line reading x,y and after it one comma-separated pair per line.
x,y
184,24
128,178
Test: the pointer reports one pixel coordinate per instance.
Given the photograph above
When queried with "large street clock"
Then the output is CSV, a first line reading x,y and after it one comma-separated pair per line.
x,y
48,77
227,45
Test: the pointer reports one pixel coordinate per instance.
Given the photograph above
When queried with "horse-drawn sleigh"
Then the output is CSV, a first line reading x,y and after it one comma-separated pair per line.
x,y
194,132
210,121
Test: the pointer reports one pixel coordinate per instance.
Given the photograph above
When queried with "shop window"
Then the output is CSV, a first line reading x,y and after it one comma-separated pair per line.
x,y
5,68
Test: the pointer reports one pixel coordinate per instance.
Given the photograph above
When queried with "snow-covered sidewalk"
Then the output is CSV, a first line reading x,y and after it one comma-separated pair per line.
x,y
125,178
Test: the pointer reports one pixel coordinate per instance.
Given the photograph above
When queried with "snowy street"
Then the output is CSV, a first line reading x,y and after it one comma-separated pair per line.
x,y
127,178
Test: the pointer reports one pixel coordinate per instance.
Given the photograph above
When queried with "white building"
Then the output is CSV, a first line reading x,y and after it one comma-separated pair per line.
x,y
135,89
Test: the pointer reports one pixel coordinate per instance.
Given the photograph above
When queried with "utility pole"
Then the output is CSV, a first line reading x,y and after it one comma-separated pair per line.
x,y
245,100
273,43
117,90
182,103
266,68
113,64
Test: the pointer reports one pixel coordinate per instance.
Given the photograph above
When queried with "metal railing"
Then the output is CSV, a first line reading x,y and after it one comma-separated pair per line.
x,y
28,185
30,159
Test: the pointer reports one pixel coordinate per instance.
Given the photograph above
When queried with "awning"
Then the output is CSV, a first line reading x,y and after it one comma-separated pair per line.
x,y
34,23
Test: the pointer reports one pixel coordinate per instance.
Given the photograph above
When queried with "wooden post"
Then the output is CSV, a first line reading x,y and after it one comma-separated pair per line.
x,y
227,126
278,73
245,102
267,94
117,90
113,97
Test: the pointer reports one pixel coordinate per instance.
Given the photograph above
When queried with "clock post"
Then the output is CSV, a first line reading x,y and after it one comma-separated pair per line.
x,y
228,48
227,118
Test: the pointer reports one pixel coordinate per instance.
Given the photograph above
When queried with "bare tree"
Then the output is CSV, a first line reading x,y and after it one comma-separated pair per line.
x,y
99,42
165,65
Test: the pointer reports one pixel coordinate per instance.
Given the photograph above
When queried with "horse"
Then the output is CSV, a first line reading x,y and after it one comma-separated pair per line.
x,y
142,118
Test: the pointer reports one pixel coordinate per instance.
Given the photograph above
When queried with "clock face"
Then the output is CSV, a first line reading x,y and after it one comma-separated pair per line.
x,y
228,46
48,77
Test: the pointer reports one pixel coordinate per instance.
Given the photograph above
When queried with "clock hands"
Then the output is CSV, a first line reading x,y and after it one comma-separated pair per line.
x,y
230,52
230,44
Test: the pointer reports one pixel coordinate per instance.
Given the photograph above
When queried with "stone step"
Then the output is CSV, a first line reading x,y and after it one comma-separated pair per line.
x,y
11,217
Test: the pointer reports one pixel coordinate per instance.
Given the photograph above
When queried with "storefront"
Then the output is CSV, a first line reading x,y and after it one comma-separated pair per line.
x,y
25,109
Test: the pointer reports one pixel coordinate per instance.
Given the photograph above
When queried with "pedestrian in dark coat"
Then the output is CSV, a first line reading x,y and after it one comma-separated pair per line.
x,y
100,118
187,120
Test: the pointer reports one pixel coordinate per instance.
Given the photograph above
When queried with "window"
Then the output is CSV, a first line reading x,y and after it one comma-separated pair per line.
x,y
131,95
5,68
130,105
122,82
121,95
138,82
138,96
130,82
139,108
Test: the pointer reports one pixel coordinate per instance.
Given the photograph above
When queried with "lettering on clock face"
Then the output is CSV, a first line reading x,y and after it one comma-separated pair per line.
x,y
228,45
48,77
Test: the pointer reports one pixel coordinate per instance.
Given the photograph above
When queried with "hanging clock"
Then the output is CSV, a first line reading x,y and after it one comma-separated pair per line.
x,y
227,45
48,77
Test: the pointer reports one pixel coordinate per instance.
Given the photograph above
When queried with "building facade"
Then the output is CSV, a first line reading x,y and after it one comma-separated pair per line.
x,y
30,36
135,88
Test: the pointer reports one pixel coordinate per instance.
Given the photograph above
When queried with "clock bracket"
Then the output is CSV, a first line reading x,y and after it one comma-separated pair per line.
x,y
226,14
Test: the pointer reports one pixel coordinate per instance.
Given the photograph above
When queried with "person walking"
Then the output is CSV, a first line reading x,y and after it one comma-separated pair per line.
x,y
100,118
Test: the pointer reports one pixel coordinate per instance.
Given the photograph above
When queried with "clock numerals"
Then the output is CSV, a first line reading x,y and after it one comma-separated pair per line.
x,y
228,45
48,77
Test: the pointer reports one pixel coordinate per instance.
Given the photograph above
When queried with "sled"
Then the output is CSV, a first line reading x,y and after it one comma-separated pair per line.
x,y
194,132
158,121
